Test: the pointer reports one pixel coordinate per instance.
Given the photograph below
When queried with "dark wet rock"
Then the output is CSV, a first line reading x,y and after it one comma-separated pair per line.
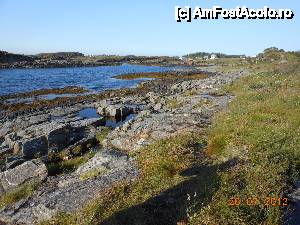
x,y
83,143
34,170
35,147
59,137
13,161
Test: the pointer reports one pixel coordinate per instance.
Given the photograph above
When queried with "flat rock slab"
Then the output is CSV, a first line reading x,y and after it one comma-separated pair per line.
x,y
69,193
34,170
142,131
38,140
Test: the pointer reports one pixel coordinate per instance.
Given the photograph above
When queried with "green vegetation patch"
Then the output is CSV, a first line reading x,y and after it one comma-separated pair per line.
x,y
24,191
92,173
260,131
171,170
67,166
174,103
102,134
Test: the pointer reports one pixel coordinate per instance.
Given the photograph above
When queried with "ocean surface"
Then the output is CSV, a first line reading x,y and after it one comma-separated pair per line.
x,y
95,79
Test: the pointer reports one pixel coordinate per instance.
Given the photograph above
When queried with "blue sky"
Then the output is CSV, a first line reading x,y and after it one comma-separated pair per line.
x,y
140,27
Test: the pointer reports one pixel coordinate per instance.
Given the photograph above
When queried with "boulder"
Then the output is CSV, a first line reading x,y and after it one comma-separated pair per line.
x,y
30,171
116,111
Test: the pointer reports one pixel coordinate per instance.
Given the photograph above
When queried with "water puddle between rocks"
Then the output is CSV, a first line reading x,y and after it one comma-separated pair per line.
x,y
90,113
114,123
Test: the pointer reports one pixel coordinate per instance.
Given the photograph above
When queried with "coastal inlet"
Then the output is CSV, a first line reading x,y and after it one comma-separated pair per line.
x,y
94,79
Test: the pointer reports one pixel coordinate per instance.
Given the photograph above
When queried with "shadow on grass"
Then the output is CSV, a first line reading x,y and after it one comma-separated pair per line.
x,y
172,205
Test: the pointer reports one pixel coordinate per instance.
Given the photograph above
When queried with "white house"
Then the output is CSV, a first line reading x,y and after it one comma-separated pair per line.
x,y
213,56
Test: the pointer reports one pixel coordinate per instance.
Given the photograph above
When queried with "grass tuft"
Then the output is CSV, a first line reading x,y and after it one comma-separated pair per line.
x,y
92,173
67,166
24,191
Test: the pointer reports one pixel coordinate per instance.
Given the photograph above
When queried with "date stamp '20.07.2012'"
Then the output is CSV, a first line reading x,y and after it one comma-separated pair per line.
x,y
254,201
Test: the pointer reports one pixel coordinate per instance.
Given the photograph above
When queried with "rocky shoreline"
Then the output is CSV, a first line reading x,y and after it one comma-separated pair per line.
x,y
29,141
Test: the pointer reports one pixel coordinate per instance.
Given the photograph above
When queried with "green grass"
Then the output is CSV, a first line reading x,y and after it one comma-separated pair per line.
x,y
174,103
67,166
163,166
190,93
101,135
261,129
92,173
24,191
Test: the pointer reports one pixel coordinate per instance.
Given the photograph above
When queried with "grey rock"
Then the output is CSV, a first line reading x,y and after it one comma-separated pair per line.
x,y
69,193
87,123
5,129
38,119
116,111
157,106
106,160
147,129
34,170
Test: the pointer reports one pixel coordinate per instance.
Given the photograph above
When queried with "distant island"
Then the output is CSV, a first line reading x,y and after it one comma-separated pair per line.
x,y
76,59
